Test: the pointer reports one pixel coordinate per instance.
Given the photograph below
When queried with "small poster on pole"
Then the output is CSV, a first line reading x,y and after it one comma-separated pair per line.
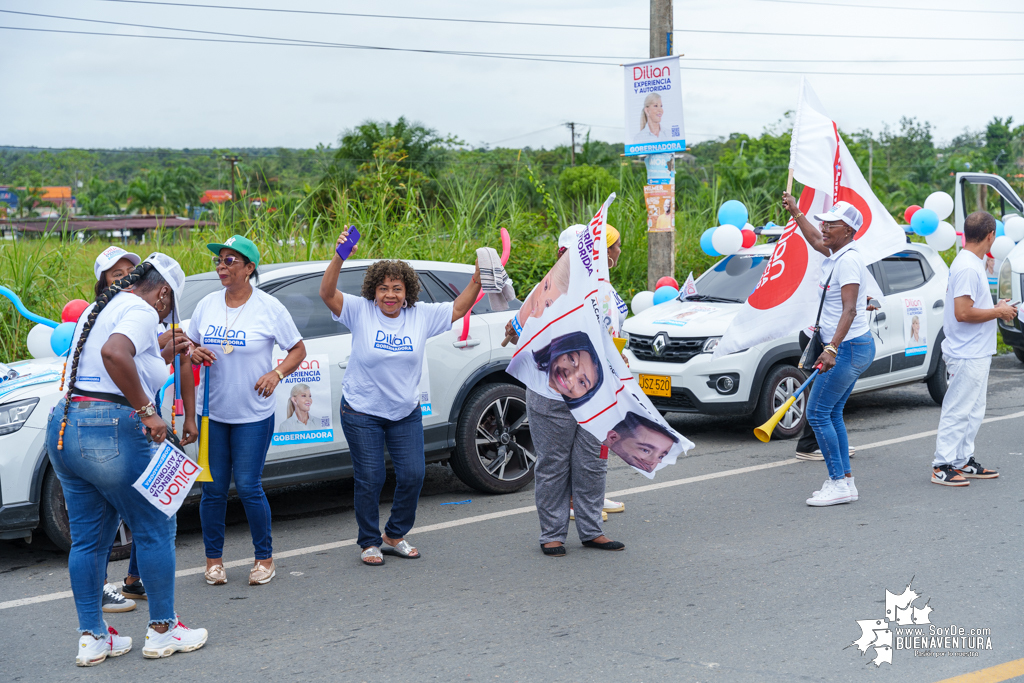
x,y
915,328
654,107
304,403
661,215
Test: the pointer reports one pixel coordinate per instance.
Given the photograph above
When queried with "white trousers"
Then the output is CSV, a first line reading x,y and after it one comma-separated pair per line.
x,y
963,409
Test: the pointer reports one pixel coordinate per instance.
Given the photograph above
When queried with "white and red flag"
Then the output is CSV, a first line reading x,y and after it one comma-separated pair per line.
x,y
786,298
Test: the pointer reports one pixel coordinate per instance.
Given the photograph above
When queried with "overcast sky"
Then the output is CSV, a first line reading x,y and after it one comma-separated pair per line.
x,y
65,90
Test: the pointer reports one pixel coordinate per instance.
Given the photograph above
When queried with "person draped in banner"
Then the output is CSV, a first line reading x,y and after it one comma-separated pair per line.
x,y
98,440
380,402
569,476
235,330
849,347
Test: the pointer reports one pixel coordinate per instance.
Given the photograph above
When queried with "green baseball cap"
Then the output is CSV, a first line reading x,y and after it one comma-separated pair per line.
x,y
242,245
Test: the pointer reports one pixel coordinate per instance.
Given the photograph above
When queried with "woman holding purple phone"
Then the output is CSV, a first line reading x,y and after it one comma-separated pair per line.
x,y
380,397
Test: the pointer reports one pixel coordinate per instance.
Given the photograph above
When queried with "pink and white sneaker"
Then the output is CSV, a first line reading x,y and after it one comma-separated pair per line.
x,y
92,651
177,639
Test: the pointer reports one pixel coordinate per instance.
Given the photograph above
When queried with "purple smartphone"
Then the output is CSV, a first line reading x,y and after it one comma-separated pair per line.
x,y
345,250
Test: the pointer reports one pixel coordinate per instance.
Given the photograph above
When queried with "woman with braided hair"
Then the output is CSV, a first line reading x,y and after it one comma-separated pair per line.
x,y
98,444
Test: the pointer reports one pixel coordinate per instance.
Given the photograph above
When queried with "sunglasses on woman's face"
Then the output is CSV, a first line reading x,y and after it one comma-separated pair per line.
x,y
226,260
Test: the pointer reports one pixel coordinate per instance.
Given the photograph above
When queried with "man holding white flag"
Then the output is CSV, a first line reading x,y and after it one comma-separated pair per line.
x,y
786,297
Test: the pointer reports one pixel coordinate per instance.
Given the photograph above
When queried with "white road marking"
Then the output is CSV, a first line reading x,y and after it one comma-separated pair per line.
x,y
308,550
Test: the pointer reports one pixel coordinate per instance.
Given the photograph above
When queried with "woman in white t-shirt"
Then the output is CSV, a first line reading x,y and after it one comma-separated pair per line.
x,y
236,330
98,441
849,347
380,398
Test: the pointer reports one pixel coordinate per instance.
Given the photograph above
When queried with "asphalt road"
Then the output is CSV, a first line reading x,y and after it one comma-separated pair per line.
x,y
728,575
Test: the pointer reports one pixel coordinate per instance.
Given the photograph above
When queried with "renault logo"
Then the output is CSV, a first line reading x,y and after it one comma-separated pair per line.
x,y
659,343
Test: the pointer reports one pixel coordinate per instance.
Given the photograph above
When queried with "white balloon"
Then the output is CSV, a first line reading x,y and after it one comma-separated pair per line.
x,y
640,303
1014,227
727,239
1002,246
38,341
943,238
941,203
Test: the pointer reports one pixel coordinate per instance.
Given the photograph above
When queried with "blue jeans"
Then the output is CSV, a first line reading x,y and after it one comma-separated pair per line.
x,y
367,436
240,449
133,562
828,398
104,453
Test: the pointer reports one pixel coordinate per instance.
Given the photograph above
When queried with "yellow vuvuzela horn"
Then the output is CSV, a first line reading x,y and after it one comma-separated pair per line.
x,y
204,428
764,432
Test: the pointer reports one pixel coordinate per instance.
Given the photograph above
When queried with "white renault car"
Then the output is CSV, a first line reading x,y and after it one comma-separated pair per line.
x,y
475,419
670,345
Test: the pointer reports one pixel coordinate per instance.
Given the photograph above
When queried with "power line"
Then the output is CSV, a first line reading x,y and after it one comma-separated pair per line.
x,y
484,54
300,41
914,9
833,36
853,61
374,16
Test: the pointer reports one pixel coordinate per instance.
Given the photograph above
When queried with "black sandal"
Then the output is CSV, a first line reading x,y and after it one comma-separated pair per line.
x,y
608,545
556,551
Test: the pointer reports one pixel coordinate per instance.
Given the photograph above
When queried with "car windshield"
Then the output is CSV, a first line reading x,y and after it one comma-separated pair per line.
x,y
732,280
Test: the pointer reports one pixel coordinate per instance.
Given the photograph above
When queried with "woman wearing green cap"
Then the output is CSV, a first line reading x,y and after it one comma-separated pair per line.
x,y
235,330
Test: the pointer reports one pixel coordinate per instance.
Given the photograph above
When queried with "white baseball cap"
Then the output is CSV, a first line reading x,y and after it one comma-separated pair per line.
x,y
842,211
111,255
174,276
568,236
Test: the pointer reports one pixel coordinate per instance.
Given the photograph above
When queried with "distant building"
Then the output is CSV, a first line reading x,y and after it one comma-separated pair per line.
x,y
215,197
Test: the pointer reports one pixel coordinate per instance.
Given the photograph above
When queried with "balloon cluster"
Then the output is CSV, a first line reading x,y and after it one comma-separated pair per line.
x,y
733,232
929,221
666,289
46,342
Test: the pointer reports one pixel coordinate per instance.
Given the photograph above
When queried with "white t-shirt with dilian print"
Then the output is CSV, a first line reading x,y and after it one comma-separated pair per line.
x,y
129,315
383,373
251,332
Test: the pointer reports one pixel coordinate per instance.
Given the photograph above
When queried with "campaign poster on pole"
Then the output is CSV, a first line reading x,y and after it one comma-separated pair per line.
x,y
654,107
303,398
661,215
915,328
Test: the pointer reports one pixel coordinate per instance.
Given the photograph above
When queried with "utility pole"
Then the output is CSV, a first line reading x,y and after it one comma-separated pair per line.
x,y
661,246
233,160
572,144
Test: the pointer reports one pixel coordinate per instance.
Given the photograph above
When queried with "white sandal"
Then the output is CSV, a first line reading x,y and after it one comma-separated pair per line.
x,y
372,552
401,549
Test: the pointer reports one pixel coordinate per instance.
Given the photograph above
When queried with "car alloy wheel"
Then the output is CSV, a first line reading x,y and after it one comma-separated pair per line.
x,y
503,443
783,390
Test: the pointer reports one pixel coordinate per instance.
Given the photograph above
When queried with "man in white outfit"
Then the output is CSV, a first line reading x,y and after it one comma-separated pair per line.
x,y
968,320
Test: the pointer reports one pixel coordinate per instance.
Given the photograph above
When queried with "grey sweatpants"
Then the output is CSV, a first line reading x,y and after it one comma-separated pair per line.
x,y
568,464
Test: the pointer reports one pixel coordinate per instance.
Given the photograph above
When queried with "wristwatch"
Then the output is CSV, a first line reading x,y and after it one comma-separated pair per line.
x,y
146,410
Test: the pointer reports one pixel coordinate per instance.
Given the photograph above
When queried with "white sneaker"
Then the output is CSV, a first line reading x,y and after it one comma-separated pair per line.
x,y
613,505
831,493
92,651
177,639
113,601
849,482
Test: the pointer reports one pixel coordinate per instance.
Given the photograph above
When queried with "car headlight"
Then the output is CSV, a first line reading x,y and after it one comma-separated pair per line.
x,y
1005,287
15,414
710,344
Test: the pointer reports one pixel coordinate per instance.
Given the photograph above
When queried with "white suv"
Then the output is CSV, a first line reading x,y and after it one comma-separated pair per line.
x,y
477,421
670,345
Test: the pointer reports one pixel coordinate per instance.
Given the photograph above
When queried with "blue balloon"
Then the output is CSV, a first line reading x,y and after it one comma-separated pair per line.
x,y
733,213
705,243
60,340
1000,228
665,293
924,222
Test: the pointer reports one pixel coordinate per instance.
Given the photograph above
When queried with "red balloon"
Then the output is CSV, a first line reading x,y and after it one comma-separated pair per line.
x,y
73,310
749,238
909,213
667,280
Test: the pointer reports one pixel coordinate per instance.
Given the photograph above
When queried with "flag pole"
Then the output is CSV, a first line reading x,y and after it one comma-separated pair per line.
x,y
793,141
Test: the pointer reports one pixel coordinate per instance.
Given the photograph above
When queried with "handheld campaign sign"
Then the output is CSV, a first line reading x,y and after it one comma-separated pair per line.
x,y
168,479
304,412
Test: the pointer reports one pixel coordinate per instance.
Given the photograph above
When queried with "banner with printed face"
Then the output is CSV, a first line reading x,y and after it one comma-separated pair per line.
x,y
654,107
915,328
168,478
565,352
303,398
660,200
